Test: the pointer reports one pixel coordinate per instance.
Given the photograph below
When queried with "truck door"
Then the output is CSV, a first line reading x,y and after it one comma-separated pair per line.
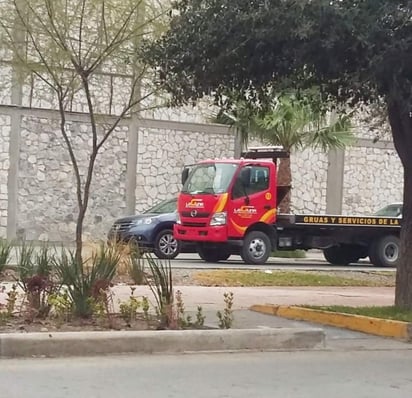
x,y
252,199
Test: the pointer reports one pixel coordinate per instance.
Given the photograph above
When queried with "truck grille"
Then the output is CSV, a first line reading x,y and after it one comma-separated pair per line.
x,y
194,224
193,215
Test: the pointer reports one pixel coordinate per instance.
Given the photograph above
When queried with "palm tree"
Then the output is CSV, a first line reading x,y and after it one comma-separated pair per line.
x,y
293,122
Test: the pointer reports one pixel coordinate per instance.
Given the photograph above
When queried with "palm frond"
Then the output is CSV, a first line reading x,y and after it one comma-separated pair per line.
x,y
324,136
293,120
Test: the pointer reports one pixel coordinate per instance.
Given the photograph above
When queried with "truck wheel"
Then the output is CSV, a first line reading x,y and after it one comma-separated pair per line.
x,y
256,248
165,245
384,252
339,255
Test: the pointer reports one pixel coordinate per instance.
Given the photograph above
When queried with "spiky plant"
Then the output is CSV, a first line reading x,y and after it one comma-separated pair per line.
x,y
81,279
161,284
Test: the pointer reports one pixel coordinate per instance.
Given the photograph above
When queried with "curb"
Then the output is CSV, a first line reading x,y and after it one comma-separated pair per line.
x,y
359,323
65,344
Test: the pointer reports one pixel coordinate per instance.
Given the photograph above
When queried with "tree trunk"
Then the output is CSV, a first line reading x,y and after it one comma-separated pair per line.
x,y
401,125
285,179
79,235
403,291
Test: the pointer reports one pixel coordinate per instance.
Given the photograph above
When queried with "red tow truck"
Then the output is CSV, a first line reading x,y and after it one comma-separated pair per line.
x,y
229,206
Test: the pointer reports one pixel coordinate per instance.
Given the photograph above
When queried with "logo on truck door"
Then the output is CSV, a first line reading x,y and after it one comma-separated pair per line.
x,y
245,211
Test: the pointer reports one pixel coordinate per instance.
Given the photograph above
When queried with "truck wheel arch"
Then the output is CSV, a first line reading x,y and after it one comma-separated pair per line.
x,y
385,251
267,229
256,247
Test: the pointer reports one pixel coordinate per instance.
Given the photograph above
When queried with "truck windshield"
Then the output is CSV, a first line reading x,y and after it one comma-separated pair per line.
x,y
210,178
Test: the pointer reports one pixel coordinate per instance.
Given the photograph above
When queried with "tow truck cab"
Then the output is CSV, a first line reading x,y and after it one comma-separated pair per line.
x,y
223,201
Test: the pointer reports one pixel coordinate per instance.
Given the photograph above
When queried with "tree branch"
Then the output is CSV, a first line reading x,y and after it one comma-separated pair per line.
x,y
81,29
71,153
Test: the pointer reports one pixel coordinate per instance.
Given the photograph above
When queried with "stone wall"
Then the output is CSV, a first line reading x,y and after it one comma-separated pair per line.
x,y
47,205
373,177
309,181
46,196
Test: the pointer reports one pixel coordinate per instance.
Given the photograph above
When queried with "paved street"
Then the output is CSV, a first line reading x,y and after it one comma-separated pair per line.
x,y
360,374
313,261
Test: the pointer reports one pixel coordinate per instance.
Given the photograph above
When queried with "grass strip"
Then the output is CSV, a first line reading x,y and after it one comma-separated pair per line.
x,y
278,278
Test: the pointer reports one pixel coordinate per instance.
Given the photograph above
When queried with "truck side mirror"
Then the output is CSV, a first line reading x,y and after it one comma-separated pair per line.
x,y
185,175
245,175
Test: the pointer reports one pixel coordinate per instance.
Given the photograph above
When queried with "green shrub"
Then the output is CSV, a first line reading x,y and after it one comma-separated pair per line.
x,y
5,251
226,317
161,285
136,269
35,278
81,278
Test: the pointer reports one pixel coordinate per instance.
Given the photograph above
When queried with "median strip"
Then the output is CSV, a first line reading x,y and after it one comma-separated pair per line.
x,y
370,325
68,344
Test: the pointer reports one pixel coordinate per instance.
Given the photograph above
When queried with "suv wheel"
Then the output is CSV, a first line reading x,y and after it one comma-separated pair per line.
x,y
166,246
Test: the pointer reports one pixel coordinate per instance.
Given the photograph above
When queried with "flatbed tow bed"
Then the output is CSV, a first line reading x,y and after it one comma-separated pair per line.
x,y
343,239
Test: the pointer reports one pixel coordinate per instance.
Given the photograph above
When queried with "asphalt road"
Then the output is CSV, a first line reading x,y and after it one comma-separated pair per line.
x,y
314,261
361,374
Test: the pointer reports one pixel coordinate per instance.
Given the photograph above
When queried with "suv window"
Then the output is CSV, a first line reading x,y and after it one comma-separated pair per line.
x,y
168,206
259,181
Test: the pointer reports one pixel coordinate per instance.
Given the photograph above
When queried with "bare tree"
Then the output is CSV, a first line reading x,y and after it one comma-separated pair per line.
x,y
69,45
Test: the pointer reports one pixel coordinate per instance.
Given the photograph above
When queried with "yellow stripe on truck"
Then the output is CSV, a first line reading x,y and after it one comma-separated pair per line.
x,y
239,229
269,216
221,203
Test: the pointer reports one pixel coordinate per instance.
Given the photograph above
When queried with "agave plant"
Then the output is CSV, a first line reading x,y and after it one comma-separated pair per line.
x,y
35,277
82,278
5,251
136,268
161,285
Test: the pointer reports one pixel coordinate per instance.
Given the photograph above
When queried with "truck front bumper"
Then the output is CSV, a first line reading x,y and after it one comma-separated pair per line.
x,y
200,234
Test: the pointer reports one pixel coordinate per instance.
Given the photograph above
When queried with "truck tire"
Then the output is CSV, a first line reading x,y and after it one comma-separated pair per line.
x,y
384,252
212,254
166,246
256,248
341,255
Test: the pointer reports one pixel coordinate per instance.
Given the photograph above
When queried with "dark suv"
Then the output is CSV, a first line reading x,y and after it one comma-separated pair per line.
x,y
152,230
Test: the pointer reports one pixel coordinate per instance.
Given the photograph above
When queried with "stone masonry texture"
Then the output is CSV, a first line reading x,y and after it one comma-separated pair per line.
x,y
47,205
46,195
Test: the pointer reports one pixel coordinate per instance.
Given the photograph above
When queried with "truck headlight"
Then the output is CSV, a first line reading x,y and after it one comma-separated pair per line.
x,y
218,219
178,221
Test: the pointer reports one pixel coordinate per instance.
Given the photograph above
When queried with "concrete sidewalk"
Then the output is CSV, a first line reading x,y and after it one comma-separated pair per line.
x,y
211,298
251,330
